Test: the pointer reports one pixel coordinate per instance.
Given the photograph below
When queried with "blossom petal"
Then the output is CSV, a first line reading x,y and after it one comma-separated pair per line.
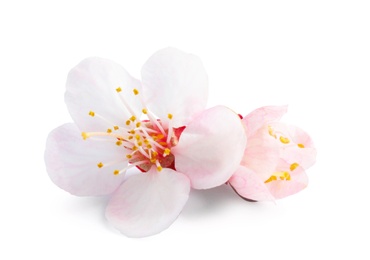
x,y
211,147
261,116
281,188
71,162
175,82
300,149
91,86
249,185
147,203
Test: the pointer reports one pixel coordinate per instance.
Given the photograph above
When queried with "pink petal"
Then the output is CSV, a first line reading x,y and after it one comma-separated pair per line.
x,y
71,162
175,83
91,86
283,188
249,185
147,203
301,148
261,116
211,147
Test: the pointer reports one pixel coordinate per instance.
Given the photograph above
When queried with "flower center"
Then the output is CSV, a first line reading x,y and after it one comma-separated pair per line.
x,y
145,142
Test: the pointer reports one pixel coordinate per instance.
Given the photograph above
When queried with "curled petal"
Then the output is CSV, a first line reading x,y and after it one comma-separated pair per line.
x,y
71,162
175,83
261,116
147,203
211,147
91,86
249,185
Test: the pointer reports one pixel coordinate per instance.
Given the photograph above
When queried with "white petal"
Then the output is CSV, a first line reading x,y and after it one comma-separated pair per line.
x,y
148,203
211,147
91,86
71,162
175,83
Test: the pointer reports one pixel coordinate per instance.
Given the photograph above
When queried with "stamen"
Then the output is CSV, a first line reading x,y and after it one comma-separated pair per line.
x,y
300,145
145,111
109,130
284,140
138,124
170,116
100,165
136,92
294,166
118,89
116,127
119,143
116,172
128,122
159,166
92,113
166,152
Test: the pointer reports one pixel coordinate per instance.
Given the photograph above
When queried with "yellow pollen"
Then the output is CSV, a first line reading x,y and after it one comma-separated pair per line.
x,y
294,166
100,164
130,137
163,143
145,111
159,168
91,113
146,141
281,175
116,127
128,156
154,154
133,118
140,143
271,132
132,132
284,140
137,137
300,145
170,116
118,89
119,143
116,172
138,124
272,178
149,146
166,151
153,160
128,122
109,130
134,148
136,92
84,135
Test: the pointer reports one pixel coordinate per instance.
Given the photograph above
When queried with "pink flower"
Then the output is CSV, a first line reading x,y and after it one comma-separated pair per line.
x,y
275,158
158,125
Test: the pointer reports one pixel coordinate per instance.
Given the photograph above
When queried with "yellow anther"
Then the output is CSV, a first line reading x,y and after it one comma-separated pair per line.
x,y
166,151
134,148
163,143
128,122
284,140
118,89
130,137
116,172
140,143
136,92
146,141
91,113
138,124
109,130
170,116
137,137
84,135
159,168
132,132
119,143
300,145
145,111
294,166
153,160
272,178
149,146
154,154
100,164
128,156
271,131
116,127
133,118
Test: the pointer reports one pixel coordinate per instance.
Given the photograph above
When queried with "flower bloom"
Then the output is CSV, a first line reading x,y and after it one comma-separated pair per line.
x,y
158,125
275,158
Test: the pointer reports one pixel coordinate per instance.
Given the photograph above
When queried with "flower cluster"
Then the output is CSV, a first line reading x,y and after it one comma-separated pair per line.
x,y
160,125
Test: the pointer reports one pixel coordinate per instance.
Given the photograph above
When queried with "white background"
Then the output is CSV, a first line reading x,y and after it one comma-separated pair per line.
x,y
312,55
